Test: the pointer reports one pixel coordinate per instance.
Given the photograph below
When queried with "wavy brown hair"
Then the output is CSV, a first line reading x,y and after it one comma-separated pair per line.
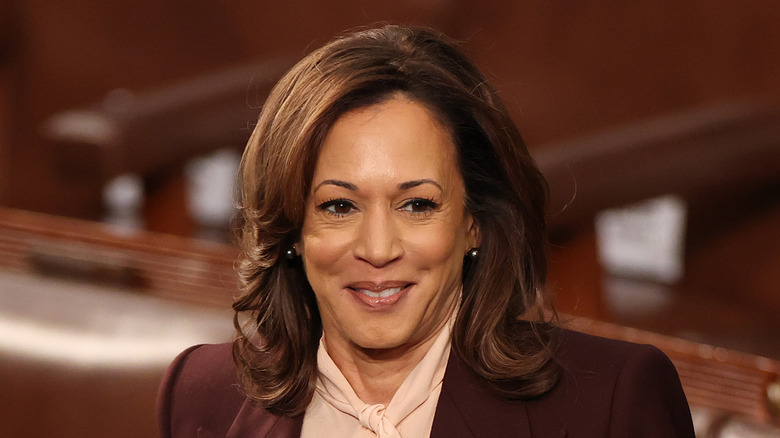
x,y
500,333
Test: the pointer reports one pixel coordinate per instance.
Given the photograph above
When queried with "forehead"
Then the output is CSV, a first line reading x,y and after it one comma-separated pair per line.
x,y
393,139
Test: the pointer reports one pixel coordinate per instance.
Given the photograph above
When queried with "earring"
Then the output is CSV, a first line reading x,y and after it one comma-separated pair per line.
x,y
290,253
473,253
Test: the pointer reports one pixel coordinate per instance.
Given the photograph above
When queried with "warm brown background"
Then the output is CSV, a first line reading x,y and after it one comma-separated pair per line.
x,y
564,68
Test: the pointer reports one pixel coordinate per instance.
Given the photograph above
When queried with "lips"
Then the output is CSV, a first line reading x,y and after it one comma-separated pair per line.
x,y
379,294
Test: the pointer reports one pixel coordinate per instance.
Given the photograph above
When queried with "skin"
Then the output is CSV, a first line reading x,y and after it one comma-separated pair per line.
x,y
386,212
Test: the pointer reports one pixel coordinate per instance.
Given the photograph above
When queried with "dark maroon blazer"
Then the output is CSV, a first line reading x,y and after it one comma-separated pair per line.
x,y
608,388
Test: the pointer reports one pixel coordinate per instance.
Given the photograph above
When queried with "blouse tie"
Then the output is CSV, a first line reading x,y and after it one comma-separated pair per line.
x,y
372,417
410,410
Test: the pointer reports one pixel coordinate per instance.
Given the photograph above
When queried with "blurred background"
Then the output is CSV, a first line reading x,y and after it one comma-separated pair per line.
x,y
657,125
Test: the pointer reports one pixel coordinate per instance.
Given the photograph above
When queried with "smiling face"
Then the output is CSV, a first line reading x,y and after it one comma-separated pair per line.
x,y
386,230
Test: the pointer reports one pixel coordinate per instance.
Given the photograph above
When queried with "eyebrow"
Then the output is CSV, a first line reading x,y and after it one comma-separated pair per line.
x,y
403,186
338,183
418,182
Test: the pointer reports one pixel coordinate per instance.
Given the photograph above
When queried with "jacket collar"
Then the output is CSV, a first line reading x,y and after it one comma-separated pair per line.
x,y
467,408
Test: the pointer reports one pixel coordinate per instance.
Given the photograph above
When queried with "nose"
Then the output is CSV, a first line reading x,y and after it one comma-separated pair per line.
x,y
378,241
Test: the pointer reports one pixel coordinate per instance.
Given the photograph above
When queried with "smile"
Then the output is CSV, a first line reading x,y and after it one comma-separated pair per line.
x,y
379,295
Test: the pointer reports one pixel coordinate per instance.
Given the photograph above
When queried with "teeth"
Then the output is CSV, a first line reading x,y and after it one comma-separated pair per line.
x,y
381,294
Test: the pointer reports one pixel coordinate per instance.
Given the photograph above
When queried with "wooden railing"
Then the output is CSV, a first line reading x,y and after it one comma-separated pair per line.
x,y
149,263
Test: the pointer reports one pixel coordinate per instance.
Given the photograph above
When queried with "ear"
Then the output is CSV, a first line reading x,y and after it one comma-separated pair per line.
x,y
473,236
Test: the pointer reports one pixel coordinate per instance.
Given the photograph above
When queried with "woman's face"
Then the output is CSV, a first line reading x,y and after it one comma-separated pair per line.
x,y
386,230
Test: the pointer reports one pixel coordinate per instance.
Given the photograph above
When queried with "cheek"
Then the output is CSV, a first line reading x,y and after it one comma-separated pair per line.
x,y
436,246
321,251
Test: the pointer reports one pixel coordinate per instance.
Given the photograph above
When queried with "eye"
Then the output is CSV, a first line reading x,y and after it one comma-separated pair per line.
x,y
337,207
419,205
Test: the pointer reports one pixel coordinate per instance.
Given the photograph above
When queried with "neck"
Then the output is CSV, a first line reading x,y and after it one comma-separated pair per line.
x,y
376,374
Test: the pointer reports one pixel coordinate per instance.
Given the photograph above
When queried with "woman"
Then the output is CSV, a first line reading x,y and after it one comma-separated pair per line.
x,y
393,254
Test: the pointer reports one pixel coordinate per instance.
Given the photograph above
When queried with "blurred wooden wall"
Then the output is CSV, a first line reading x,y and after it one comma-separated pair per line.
x,y
569,68
564,68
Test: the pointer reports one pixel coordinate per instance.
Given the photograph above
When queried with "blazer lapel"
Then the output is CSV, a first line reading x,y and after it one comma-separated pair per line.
x,y
467,409
254,421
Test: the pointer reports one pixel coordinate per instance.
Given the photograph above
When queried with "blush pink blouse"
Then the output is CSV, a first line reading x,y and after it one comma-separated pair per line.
x,y
335,409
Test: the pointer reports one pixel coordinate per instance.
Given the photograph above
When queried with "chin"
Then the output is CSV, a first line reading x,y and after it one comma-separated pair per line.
x,y
381,342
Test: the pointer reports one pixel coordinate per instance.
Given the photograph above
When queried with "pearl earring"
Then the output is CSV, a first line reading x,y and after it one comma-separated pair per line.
x,y
473,253
290,253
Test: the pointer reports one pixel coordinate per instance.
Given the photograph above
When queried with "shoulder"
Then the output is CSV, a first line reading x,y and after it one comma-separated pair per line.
x,y
200,389
615,387
602,366
581,352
